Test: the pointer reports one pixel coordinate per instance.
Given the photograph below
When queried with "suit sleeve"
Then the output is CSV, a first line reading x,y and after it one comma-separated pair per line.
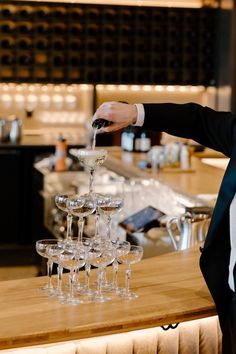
x,y
210,128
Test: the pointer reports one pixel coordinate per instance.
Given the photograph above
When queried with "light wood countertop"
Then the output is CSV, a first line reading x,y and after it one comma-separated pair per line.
x,y
171,289
201,179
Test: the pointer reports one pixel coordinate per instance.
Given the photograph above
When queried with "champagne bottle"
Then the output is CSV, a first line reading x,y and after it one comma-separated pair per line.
x,y
100,123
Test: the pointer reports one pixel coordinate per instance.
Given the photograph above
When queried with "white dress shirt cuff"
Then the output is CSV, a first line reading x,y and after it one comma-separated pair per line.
x,y
140,115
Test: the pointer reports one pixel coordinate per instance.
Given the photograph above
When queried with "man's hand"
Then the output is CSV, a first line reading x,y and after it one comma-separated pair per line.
x,y
119,114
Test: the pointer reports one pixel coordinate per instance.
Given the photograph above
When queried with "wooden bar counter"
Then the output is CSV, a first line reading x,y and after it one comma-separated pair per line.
x,y
171,289
200,179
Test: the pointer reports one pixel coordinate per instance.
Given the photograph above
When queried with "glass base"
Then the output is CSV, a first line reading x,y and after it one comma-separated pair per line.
x,y
48,290
100,298
71,301
128,295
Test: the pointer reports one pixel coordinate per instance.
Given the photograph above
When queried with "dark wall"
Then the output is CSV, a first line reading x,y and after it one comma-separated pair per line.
x,y
84,43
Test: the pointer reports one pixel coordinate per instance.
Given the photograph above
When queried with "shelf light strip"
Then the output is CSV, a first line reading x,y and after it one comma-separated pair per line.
x,y
158,88
163,3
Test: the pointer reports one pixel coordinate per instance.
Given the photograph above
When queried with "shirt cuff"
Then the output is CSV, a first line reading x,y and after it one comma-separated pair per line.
x,y
140,115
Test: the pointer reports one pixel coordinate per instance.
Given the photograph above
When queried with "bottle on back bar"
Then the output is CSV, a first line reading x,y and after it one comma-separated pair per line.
x,y
60,154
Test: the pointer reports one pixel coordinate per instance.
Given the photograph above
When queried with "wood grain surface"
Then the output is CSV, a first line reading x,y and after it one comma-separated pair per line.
x,y
170,287
203,179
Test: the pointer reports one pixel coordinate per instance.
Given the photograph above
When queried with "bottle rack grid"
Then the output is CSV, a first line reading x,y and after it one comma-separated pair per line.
x,y
110,44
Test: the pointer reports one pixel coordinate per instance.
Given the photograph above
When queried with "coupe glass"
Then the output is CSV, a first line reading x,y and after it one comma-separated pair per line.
x,y
90,158
100,200
133,256
42,248
72,258
121,249
110,206
81,207
54,251
62,202
101,255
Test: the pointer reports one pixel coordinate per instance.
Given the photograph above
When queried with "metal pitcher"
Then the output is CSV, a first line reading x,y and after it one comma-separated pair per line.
x,y
192,229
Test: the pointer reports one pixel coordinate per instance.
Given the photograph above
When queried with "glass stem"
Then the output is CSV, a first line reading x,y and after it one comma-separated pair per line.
x,y
49,270
109,228
80,229
91,180
127,279
69,224
59,274
100,278
87,272
72,282
96,224
115,267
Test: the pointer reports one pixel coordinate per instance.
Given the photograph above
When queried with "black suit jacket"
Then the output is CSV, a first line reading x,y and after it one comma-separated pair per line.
x,y
216,130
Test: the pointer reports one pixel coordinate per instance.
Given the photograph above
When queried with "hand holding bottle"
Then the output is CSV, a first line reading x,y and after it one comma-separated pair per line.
x,y
119,114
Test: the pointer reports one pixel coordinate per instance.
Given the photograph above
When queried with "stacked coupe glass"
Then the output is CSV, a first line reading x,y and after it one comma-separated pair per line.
x,y
99,251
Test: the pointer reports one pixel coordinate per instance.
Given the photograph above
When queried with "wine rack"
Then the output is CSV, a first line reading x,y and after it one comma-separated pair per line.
x,y
82,43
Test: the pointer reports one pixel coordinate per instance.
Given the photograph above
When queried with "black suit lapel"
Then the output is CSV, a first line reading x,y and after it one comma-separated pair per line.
x,y
221,211
214,260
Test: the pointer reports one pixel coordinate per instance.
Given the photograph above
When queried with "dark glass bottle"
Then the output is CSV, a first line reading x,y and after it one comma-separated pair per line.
x,y
100,123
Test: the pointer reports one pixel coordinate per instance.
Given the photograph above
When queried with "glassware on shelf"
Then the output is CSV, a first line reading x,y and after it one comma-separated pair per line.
x,y
42,248
134,256
90,158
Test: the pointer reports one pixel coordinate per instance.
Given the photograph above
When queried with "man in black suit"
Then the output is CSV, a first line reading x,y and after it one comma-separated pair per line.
x,y
216,130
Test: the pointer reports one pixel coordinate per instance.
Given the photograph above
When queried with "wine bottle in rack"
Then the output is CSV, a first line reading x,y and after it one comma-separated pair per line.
x,y
109,29
7,42
76,13
126,14
24,42
59,12
93,29
143,15
75,44
7,11
92,44
7,27
93,13
7,58
42,43
110,45
59,44
24,27
42,27
25,11
25,59
76,29
59,60
59,28
109,14
75,60
42,12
